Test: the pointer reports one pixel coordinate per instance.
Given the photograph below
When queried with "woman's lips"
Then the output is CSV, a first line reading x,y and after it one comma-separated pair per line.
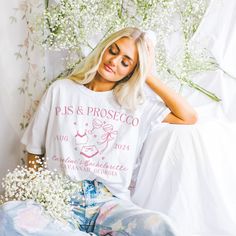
x,y
108,68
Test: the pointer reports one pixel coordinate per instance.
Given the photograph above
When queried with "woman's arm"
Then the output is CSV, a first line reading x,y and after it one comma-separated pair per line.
x,y
181,111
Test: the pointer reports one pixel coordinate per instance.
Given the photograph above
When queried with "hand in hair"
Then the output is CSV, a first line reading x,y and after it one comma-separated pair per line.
x,y
151,56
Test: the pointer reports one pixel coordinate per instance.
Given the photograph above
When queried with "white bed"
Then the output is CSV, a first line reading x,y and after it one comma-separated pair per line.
x,y
188,172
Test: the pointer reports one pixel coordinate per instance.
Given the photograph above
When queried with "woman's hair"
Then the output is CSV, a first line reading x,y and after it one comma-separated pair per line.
x,y
128,91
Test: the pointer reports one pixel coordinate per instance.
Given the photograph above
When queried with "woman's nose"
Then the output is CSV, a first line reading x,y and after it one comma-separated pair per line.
x,y
114,60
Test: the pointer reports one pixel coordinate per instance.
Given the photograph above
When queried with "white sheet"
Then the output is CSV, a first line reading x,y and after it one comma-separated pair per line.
x,y
188,172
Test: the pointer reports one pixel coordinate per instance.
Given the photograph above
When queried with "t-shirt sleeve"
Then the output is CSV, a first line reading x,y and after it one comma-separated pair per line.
x,y
34,136
155,111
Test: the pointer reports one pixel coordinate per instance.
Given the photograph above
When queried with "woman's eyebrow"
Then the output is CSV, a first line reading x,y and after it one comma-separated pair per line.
x,y
124,55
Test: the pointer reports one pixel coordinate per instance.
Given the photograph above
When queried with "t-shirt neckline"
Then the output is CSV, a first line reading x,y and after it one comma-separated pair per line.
x,y
90,92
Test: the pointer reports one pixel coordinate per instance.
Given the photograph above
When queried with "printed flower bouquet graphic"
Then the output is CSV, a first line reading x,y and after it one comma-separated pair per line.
x,y
108,136
95,140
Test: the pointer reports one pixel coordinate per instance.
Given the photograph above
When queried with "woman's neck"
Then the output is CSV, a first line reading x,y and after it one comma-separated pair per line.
x,y
99,84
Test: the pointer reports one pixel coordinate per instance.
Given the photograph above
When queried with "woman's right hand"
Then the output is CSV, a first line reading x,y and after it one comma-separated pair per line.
x,y
151,54
34,161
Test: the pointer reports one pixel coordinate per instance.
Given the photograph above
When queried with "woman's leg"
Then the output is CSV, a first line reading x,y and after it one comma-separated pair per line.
x,y
27,218
118,217
87,202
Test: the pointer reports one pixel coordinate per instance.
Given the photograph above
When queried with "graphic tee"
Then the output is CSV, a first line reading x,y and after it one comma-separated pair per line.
x,y
87,135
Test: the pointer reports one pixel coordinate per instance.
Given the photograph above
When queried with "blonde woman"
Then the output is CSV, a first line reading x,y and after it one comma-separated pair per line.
x,y
91,126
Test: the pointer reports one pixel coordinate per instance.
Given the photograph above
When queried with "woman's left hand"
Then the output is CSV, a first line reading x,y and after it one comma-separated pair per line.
x,y
151,55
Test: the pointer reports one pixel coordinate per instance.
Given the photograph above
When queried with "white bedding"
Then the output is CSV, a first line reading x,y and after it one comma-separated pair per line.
x,y
188,172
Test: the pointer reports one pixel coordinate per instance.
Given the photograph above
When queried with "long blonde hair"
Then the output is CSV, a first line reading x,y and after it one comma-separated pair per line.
x,y
129,91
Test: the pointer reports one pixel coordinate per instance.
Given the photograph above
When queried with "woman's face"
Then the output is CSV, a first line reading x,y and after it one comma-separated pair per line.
x,y
118,60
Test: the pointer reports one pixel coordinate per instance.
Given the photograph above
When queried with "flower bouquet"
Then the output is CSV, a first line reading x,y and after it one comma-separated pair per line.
x,y
48,188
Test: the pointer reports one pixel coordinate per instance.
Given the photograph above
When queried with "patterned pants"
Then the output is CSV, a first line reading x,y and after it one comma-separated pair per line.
x,y
96,210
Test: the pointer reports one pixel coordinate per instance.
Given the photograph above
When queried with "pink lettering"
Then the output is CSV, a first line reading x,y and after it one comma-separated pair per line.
x,y
62,138
69,110
96,112
58,109
116,115
89,111
55,158
135,121
123,119
102,168
129,120
121,147
66,110
79,111
103,113
110,114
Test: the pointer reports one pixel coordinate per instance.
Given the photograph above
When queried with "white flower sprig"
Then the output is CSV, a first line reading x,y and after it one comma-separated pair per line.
x,y
72,23
50,189
75,25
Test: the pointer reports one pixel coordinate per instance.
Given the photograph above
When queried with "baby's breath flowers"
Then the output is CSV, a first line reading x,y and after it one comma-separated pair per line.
x,y
50,189
73,23
78,25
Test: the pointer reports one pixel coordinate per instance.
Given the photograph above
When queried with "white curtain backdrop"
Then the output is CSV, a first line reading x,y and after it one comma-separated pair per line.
x,y
217,33
187,172
11,104
24,77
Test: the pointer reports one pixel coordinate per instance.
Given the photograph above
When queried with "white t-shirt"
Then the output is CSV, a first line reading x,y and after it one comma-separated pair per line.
x,y
87,135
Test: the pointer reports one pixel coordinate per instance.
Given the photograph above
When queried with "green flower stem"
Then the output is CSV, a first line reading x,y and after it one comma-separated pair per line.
x,y
194,85
120,10
46,2
88,45
202,90
226,73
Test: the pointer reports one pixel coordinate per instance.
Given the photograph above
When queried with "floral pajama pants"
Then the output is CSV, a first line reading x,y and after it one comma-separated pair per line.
x,y
94,208
98,211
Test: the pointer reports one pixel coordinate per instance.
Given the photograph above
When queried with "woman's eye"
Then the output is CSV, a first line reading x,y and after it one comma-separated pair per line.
x,y
124,64
111,51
